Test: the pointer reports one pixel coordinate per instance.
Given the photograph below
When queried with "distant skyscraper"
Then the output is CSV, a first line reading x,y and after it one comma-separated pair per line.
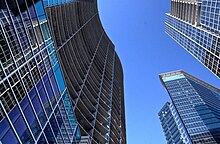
x,y
195,25
197,104
172,125
92,70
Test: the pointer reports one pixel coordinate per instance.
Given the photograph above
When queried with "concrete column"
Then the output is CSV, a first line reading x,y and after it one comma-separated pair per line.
x,y
178,15
198,14
184,12
194,14
190,13
176,9
172,8
181,10
187,12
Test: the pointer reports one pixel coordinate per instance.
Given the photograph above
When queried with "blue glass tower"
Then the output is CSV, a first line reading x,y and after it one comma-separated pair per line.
x,y
195,25
172,125
197,104
34,101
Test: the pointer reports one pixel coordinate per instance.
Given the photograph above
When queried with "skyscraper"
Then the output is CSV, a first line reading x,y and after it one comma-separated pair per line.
x,y
92,70
197,104
34,103
75,98
195,25
172,125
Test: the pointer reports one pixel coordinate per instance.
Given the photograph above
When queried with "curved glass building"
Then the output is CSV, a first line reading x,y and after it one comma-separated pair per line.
x,y
92,70
61,80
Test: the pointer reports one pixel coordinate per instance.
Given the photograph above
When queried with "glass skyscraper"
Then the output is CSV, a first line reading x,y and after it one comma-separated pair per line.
x,y
172,125
34,102
61,79
195,25
92,70
197,104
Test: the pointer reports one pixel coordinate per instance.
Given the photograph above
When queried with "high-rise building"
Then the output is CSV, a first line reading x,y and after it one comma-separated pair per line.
x,y
197,104
195,25
92,70
172,125
34,103
61,79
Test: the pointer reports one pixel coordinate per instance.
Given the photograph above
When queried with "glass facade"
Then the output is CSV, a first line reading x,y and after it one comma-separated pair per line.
x,y
34,103
197,104
172,125
195,25
61,80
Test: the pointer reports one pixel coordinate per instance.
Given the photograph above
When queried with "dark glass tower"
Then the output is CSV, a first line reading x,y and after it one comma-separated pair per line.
x,y
197,104
34,102
92,70
195,25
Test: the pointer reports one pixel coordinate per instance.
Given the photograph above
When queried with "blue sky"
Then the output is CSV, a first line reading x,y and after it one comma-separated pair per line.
x,y
137,30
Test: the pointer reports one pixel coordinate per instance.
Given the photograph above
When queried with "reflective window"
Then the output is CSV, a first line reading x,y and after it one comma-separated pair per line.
x,y
32,121
22,131
59,77
42,140
4,127
39,110
40,10
14,114
49,134
9,138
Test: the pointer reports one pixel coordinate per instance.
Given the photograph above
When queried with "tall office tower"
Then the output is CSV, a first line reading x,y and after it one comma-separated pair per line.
x,y
197,104
34,102
195,25
172,125
92,70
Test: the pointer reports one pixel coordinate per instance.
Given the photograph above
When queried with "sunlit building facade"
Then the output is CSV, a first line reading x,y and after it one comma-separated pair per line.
x,y
172,125
195,25
92,70
197,104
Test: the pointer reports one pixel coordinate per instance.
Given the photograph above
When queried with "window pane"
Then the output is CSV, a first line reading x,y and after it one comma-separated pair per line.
x,y
9,138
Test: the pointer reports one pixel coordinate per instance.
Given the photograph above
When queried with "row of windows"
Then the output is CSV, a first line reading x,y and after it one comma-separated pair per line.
x,y
195,49
210,15
205,39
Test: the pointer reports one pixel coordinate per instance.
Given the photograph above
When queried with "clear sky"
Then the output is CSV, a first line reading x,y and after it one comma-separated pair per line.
x,y
136,27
